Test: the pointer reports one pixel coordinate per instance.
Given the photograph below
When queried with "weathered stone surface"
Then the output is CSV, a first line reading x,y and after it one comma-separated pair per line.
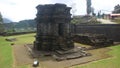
x,y
98,40
53,27
58,55
74,53
53,36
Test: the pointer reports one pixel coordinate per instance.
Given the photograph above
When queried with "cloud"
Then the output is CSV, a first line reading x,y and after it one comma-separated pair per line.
x,y
25,9
106,5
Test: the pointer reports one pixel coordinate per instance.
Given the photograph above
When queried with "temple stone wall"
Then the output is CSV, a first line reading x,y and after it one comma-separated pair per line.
x,y
112,31
53,27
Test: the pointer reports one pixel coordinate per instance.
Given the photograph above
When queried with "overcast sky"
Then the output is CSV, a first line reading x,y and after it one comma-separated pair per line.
x,y
17,10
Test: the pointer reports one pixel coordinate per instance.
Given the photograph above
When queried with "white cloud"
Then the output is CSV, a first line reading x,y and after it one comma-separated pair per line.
x,y
25,9
20,9
105,5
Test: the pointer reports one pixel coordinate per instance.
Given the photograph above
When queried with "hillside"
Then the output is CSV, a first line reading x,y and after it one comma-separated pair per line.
x,y
6,20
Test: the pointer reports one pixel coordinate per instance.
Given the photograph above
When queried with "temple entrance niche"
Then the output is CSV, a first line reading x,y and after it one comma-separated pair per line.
x,y
60,29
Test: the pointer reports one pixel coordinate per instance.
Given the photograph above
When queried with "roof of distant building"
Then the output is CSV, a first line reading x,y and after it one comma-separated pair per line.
x,y
117,14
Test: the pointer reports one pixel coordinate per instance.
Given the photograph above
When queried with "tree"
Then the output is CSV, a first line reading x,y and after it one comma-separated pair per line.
x,y
1,24
88,7
1,20
99,14
116,9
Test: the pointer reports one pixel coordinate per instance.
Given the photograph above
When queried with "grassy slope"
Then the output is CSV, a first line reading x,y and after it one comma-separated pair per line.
x,y
23,39
6,59
117,20
113,62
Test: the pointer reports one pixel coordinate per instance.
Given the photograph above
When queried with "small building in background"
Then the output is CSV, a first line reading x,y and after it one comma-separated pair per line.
x,y
115,16
106,16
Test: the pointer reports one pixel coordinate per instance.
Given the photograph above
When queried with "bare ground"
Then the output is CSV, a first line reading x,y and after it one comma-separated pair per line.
x,y
22,57
104,21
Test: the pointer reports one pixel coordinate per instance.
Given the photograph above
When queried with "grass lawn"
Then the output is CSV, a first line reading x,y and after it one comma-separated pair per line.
x,y
6,57
112,62
23,39
117,20
6,60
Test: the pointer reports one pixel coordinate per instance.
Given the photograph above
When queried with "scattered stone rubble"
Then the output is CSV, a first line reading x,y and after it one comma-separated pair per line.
x,y
58,55
77,52
98,40
11,39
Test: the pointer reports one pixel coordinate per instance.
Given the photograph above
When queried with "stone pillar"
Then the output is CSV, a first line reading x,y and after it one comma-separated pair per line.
x,y
53,28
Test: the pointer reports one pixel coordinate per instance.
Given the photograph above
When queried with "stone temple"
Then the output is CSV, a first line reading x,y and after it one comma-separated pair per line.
x,y
53,28
53,35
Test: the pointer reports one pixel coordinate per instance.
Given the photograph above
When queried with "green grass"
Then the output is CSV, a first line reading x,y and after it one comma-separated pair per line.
x,y
6,58
23,39
113,62
117,20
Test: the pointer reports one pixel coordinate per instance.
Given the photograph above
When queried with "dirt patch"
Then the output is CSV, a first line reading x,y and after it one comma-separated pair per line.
x,y
47,62
22,57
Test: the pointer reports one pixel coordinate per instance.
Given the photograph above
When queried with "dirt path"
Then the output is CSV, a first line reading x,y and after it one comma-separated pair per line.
x,y
22,58
14,61
104,21
96,55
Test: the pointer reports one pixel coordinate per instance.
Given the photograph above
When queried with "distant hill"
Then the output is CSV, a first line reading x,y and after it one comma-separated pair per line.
x,y
21,26
6,20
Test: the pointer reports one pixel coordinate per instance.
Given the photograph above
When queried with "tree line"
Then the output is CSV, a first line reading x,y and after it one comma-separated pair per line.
x,y
21,26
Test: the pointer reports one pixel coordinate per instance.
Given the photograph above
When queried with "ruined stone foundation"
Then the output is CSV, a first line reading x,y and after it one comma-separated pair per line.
x,y
53,36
